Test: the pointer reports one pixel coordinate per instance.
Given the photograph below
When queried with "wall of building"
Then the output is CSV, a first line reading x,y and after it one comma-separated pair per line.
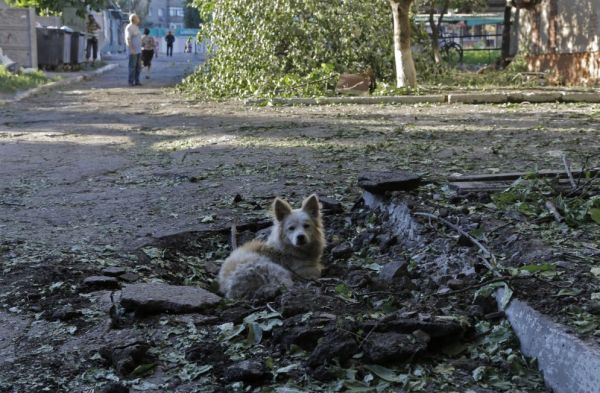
x,y
562,38
17,35
53,21
165,13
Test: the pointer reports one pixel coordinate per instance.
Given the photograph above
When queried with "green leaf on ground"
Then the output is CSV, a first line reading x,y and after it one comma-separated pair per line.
x,y
569,292
387,374
595,214
143,369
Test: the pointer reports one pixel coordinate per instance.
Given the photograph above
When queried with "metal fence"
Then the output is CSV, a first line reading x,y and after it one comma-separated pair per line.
x,y
477,42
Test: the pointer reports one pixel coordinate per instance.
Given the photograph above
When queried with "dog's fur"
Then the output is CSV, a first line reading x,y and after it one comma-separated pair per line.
x,y
292,251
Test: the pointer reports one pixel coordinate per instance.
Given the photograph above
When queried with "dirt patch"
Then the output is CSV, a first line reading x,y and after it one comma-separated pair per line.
x,y
355,327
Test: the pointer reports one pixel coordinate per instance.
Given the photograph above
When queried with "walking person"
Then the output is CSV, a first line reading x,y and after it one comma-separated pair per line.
x,y
133,39
188,45
148,46
93,30
170,38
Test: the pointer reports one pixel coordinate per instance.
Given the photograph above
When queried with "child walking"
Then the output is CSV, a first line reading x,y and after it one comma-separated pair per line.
x,y
148,46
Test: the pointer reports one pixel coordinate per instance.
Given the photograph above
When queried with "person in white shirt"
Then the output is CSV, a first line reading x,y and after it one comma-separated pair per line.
x,y
133,40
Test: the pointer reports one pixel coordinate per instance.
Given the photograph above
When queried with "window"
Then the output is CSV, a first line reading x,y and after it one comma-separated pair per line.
x,y
149,11
175,11
160,12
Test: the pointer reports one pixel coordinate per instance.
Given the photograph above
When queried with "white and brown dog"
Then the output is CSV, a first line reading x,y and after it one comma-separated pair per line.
x,y
293,250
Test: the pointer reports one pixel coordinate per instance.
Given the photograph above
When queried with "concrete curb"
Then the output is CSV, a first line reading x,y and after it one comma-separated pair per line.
x,y
63,82
451,98
569,364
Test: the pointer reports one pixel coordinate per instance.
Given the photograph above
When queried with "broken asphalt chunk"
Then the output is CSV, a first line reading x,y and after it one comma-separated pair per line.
x,y
393,271
436,327
380,182
339,345
101,282
250,371
393,347
155,298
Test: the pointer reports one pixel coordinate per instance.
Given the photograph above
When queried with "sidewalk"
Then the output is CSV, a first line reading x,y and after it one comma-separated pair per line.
x,y
162,68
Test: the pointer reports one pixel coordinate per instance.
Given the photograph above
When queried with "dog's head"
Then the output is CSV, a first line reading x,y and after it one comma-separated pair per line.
x,y
298,227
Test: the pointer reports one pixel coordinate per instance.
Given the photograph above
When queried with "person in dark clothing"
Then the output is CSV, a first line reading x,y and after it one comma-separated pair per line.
x,y
170,38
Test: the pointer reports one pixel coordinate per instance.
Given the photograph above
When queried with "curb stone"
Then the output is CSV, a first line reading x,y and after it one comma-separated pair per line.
x,y
569,364
425,99
477,98
61,83
451,98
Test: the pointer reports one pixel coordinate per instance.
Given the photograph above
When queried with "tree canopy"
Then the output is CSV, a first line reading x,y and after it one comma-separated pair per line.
x,y
191,16
56,6
289,46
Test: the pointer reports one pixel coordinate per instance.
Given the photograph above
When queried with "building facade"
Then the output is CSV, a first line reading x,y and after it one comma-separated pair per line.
x,y
562,38
167,14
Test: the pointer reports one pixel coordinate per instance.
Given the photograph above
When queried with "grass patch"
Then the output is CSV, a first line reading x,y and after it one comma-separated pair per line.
x,y
85,66
10,83
478,57
435,78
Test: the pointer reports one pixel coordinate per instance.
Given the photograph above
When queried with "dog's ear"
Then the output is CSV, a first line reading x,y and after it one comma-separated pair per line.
x,y
281,209
311,206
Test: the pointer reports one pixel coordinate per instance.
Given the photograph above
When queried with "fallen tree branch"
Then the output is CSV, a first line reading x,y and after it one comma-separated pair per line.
x,y
552,209
568,169
234,235
481,284
491,266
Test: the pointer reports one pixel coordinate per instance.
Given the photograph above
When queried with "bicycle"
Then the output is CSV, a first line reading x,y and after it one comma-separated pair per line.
x,y
452,52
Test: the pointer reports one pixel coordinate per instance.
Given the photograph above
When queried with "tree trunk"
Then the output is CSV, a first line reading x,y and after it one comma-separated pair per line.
x,y
406,74
505,50
435,28
435,34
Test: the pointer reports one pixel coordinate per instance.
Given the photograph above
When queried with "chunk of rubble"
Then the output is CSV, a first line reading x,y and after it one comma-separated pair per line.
x,y
129,277
114,271
101,282
339,345
330,205
155,298
391,346
393,270
342,251
380,182
249,371
125,358
435,327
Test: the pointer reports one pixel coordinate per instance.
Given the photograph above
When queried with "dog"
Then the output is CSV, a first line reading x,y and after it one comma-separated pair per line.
x,y
292,251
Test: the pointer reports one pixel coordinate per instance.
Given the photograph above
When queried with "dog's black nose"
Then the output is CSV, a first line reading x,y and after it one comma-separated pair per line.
x,y
301,239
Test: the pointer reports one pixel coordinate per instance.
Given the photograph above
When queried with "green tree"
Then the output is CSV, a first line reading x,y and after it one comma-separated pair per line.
x,y
55,7
191,15
290,47
140,7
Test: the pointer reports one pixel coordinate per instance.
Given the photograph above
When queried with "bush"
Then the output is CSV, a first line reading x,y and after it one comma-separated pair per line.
x,y
289,47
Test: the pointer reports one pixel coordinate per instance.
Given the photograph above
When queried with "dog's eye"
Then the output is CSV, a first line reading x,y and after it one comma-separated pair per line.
x,y
306,226
291,228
